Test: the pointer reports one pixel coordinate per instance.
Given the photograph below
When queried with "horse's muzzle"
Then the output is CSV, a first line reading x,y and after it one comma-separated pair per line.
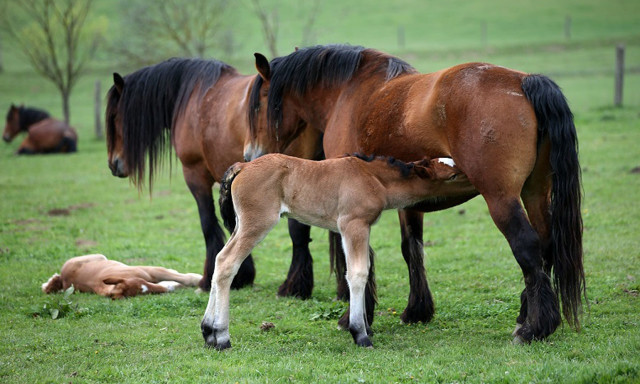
x,y
117,168
6,138
252,152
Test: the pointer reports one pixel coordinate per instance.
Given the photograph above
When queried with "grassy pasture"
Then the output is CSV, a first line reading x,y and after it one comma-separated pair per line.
x,y
54,207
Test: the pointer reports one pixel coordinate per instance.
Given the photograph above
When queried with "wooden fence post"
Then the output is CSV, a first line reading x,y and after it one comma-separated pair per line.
x,y
484,34
401,37
1,63
617,99
98,110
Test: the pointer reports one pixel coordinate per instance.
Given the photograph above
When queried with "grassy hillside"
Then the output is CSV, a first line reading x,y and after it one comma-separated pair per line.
x,y
54,207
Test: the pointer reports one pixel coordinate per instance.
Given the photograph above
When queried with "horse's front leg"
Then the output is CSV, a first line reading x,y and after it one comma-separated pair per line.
x,y
355,239
200,183
420,305
299,282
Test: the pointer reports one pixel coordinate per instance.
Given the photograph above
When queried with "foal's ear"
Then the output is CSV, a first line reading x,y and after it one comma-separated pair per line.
x,y
118,81
263,67
423,169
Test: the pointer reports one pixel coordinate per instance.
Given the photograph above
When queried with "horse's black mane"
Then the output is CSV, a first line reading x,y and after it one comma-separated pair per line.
x,y
318,66
151,101
404,168
30,116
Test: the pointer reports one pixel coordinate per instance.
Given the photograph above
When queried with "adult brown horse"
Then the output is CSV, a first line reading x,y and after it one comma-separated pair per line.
x,y
44,133
199,107
512,133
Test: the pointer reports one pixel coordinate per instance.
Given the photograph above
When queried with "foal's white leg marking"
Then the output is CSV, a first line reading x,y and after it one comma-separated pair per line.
x,y
446,160
170,285
145,289
355,241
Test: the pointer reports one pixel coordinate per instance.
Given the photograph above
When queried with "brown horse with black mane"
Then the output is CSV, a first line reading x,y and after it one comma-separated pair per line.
x,y
44,133
199,107
512,133
345,195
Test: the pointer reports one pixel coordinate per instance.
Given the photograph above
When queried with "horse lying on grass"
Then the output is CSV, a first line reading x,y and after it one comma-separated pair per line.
x,y
95,273
44,133
345,195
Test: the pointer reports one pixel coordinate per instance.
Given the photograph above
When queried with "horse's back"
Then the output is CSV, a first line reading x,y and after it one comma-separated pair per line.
x,y
51,135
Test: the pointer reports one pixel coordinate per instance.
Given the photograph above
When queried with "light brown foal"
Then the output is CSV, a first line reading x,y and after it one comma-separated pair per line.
x,y
95,273
345,195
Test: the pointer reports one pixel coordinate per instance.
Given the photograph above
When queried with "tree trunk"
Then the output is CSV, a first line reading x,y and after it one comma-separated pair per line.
x,y
65,106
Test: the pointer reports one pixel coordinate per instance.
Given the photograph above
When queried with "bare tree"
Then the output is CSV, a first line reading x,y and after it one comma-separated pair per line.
x,y
53,39
270,23
154,30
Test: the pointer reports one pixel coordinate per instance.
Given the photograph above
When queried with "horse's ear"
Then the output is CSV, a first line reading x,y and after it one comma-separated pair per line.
x,y
263,67
118,81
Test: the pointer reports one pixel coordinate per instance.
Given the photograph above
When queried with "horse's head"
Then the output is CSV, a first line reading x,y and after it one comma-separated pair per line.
x,y
117,161
12,125
269,134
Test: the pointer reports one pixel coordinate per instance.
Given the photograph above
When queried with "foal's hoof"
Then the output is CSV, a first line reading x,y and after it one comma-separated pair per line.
x,y
208,335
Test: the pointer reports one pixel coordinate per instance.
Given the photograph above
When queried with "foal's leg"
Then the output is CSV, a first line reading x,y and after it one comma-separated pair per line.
x,y
370,292
355,241
200,183
215,324
420,305
158,274
539,302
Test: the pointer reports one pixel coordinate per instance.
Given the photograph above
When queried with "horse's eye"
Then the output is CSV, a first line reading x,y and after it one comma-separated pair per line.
x,y
455,176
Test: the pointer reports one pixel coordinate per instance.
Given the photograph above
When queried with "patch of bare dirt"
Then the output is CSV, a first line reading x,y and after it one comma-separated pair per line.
x,y
85,243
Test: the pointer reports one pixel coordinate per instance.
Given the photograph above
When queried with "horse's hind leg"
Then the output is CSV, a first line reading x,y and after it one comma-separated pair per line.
x,y
420,305
299,282
535,196
540,303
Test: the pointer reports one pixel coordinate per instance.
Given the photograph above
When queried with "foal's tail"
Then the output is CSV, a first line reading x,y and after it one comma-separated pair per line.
x,y
555,121
227,211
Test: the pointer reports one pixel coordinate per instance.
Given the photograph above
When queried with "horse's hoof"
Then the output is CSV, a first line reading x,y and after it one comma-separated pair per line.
x,y
515,331
224,345
365,342
517,340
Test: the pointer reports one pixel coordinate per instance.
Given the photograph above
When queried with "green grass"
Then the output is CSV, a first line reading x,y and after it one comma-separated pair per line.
x,y
473,275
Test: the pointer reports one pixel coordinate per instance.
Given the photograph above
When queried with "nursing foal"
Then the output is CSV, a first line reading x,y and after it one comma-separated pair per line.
x,y
345,195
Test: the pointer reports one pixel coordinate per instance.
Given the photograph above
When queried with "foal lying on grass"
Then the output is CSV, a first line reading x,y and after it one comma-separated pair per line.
x,y
95,273
345,195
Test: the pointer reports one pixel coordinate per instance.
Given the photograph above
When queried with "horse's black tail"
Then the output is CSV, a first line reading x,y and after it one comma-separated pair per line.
x,y
555,121
227,212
